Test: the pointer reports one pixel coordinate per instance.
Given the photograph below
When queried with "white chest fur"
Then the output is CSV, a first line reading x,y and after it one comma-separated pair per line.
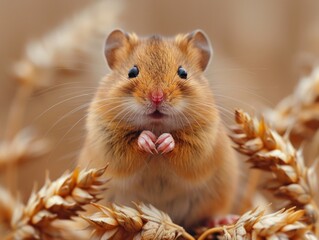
x,y
159,186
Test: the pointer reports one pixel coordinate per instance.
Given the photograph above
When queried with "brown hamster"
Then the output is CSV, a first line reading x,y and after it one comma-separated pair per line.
x,y
153,119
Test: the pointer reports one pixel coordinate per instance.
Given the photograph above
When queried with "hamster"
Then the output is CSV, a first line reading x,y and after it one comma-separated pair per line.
x,y
154,121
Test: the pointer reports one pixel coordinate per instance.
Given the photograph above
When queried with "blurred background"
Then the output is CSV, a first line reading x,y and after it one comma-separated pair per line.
x,y
261,49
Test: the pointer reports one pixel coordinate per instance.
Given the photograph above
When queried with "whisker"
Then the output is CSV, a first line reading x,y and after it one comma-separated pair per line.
x,y
59,103
94,71
82,118
128,112
180,113
67,115
53,87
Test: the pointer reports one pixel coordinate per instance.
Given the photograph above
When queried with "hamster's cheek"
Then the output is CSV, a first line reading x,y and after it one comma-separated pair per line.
x,y
178,105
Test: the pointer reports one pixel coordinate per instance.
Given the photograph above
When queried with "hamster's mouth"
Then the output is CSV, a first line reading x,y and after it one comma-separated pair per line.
x,y
156,115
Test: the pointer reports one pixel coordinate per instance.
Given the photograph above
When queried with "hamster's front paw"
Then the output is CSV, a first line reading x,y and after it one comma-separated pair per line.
x,y
146,142
165,143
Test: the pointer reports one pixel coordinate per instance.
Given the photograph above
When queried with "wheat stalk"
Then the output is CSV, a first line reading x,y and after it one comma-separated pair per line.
x,y
7,205
60,199
298,113
24,147
145,222
269,151
148,223
284,224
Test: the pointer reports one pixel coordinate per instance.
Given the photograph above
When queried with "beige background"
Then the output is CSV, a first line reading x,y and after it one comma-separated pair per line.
x,y
261,48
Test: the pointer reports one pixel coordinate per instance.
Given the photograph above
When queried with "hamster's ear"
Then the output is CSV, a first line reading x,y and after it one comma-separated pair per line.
x,y
198,41
117,46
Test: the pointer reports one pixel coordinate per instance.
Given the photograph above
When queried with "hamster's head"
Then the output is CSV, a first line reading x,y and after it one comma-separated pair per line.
x,y
157,83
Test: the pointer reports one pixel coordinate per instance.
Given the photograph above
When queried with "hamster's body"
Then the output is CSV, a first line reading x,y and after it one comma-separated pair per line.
x,y
153,119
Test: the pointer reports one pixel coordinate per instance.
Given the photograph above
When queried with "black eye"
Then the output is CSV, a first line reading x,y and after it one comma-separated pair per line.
x,y
133,72
182,73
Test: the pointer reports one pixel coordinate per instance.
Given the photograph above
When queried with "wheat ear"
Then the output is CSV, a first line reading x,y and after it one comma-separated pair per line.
x,y
144,222
22,148
269,151
298,113
60,199
148,223
284,224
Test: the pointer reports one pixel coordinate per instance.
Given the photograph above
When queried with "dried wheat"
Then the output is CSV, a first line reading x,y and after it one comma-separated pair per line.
x,y
256,225
299,112
7,205
61,199
269,151
24,147
144,222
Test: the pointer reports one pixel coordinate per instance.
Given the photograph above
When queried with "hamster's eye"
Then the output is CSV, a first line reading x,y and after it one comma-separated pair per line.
x,y
133,72
182,73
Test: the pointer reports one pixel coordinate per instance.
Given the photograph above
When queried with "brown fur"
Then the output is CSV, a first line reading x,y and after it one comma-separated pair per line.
x,y
196,179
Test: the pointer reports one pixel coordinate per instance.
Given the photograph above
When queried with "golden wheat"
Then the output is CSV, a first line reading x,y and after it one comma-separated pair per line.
x,y
299,112
24,147
144,222
7,205
284,224
148,223
60,199
269,151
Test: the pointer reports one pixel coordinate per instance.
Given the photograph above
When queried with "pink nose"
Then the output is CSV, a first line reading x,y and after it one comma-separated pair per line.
x,y
157,97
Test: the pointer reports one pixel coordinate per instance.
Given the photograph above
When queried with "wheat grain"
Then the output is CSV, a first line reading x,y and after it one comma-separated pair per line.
x,y
7,205
24,147
269,151
298,113
284,224
144,223
61,199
